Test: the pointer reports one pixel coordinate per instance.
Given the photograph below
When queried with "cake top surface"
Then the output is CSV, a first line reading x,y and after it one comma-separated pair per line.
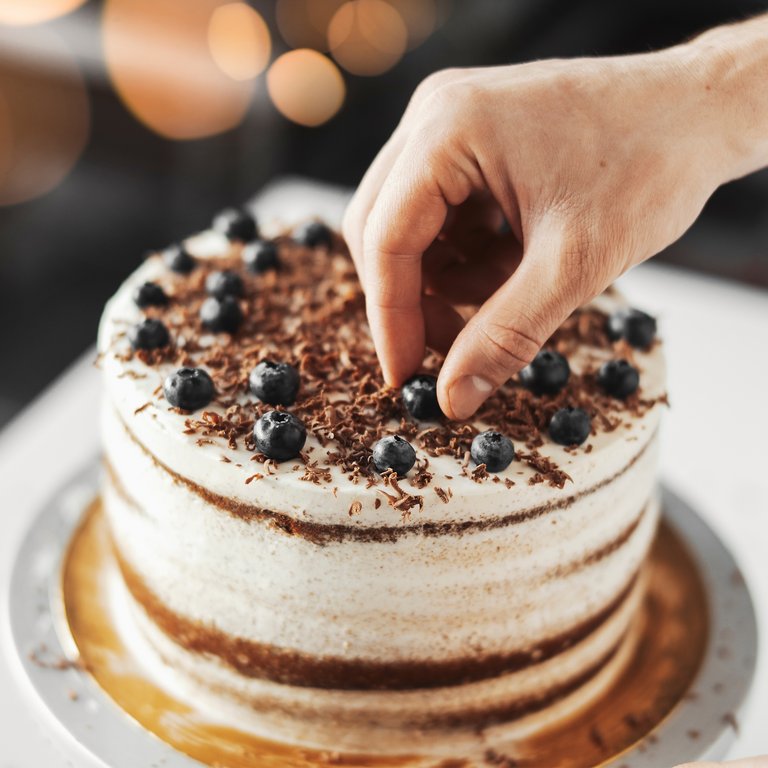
x,y
310,312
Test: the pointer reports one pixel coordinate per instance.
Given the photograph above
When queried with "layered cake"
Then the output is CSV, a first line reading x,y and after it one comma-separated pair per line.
x,y
315,557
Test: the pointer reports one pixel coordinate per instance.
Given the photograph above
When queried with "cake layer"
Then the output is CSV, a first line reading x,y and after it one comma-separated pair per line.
x,y
494,595
437,719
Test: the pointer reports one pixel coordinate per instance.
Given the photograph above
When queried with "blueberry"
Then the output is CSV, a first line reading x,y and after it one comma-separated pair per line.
x,y
274,383
189,388
222,314
314,234
492,449
420,397
570,426
638,328
260,256
236,224
150,295
279,435
618,378
394,453
149,334
225,283
178,259
547,373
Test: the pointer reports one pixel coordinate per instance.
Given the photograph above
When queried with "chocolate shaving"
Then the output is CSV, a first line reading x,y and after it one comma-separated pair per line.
x,y
311,313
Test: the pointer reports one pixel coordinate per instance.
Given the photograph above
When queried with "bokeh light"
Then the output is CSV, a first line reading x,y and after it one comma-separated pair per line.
x,y
24,12
304,23
306,87
44,115
420,17
367,37
239,41
159,59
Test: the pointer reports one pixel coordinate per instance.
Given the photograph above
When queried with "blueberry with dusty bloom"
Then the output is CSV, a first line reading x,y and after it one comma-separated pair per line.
x,y
279,435
492,449
394,453
149,334
189,388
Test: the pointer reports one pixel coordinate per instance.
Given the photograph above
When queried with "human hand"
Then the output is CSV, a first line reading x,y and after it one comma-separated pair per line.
x,y
597,164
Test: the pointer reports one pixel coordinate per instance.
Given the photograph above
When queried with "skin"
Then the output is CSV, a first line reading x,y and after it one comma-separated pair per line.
x,y
596,165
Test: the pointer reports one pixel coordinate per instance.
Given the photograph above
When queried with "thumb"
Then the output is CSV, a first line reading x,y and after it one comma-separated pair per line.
x,y
511,327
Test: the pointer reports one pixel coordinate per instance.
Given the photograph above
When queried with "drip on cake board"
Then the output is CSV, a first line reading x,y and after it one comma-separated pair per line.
x,y
671,643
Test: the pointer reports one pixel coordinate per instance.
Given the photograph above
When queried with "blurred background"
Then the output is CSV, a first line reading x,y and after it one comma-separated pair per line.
x,y
126,124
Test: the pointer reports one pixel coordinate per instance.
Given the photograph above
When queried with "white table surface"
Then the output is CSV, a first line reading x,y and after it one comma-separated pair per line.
x,y
715,455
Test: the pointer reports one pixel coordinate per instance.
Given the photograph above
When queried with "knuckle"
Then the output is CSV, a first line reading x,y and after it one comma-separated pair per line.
x,y
435,81
455,102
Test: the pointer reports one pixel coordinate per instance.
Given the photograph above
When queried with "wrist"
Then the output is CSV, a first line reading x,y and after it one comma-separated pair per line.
x,y
725,72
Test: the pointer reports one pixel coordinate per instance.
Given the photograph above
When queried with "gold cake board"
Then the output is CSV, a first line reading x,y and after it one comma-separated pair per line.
x,y
655,681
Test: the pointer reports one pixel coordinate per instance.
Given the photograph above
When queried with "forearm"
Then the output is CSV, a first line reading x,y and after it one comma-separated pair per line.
x,y
729,66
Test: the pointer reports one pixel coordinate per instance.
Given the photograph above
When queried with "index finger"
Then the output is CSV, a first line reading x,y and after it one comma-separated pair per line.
x,y
406,217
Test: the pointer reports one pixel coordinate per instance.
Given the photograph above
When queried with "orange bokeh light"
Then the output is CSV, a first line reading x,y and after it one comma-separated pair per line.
x,y
239,41
306,87
304,23
157,53
24,12
44,116
367,37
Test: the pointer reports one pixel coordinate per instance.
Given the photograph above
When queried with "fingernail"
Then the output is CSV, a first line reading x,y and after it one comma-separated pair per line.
x,y
467,394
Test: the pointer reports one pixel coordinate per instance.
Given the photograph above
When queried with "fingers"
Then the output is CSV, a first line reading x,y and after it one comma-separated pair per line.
x,y
359,208
511,326
357,211
406,217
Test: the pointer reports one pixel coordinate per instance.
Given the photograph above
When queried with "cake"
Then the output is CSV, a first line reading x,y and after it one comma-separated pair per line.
x,y
326,601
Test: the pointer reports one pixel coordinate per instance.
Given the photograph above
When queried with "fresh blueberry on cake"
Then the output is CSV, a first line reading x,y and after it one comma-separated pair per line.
x,y
337,565
224,283
492,449
314,234
236,225
570,426
636,327
178,259
279,435
150,295
149,334
618,378
420,397
275,383
260,256
547,373
394,454
189,389
221,314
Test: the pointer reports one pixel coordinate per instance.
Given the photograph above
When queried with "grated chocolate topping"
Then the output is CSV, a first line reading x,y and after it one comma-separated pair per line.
x,y
311,313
